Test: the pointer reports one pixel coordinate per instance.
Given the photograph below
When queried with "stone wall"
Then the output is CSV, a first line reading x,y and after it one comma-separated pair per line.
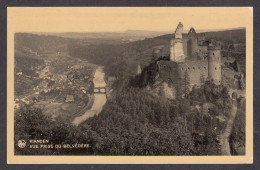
x,y
168,72
178,50
202,51
196,71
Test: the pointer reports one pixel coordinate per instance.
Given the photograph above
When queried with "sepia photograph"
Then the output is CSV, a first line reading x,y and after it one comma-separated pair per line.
x,y
130,81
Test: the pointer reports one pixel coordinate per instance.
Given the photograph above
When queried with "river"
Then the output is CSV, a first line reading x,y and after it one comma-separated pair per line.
x,y
99,99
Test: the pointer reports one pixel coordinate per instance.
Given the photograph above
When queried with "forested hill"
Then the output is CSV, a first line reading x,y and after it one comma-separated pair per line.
x,y
39,43
236,36
126,36
44,42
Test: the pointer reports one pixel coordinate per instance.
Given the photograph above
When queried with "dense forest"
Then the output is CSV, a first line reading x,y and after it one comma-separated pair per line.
x,y
236,36
135,121
40,43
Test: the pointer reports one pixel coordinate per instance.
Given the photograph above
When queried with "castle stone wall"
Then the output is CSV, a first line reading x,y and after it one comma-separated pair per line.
x,y
196,72
168,72
178,50
193,72
203,51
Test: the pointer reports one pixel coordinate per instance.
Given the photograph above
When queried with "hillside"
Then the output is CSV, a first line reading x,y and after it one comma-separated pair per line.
x,y
110,52
39,43
123,37
236,36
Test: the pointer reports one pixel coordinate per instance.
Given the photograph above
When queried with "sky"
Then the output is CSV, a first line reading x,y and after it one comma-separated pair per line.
x,y
118,19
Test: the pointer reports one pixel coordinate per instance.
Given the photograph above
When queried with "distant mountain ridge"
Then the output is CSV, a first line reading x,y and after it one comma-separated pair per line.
x,y
126,36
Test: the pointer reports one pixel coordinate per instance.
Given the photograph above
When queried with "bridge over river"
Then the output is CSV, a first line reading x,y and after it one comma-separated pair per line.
x,y
100,97
100,90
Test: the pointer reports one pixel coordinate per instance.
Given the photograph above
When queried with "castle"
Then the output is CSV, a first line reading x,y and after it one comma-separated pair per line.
x,y
191,59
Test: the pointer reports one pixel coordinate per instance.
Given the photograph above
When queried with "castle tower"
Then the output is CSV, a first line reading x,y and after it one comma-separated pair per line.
x,y
178,31
176,46
192,35
214,64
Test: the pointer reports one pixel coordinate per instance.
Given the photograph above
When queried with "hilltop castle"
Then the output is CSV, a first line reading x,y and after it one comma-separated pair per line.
x,y
191,59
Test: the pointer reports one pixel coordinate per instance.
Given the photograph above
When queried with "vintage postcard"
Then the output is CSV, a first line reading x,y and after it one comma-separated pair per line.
x,y
130,85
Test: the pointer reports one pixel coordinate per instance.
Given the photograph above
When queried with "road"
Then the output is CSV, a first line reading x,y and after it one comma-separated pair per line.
x,y
224,137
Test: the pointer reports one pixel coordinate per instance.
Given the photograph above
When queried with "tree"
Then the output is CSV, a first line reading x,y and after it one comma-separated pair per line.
x,y
186,82
31,123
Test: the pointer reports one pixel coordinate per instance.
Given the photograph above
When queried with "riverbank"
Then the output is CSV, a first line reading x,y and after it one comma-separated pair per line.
x,y
91,99
99,99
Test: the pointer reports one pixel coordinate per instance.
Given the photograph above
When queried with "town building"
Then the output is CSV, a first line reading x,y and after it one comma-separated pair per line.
x,y
69,98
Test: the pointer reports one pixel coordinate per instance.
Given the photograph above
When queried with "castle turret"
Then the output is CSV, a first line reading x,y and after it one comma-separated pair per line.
x,y
214,64
193,42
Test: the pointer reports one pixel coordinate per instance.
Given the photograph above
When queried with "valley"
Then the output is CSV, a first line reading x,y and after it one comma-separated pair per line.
x,y
125,96
60,77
